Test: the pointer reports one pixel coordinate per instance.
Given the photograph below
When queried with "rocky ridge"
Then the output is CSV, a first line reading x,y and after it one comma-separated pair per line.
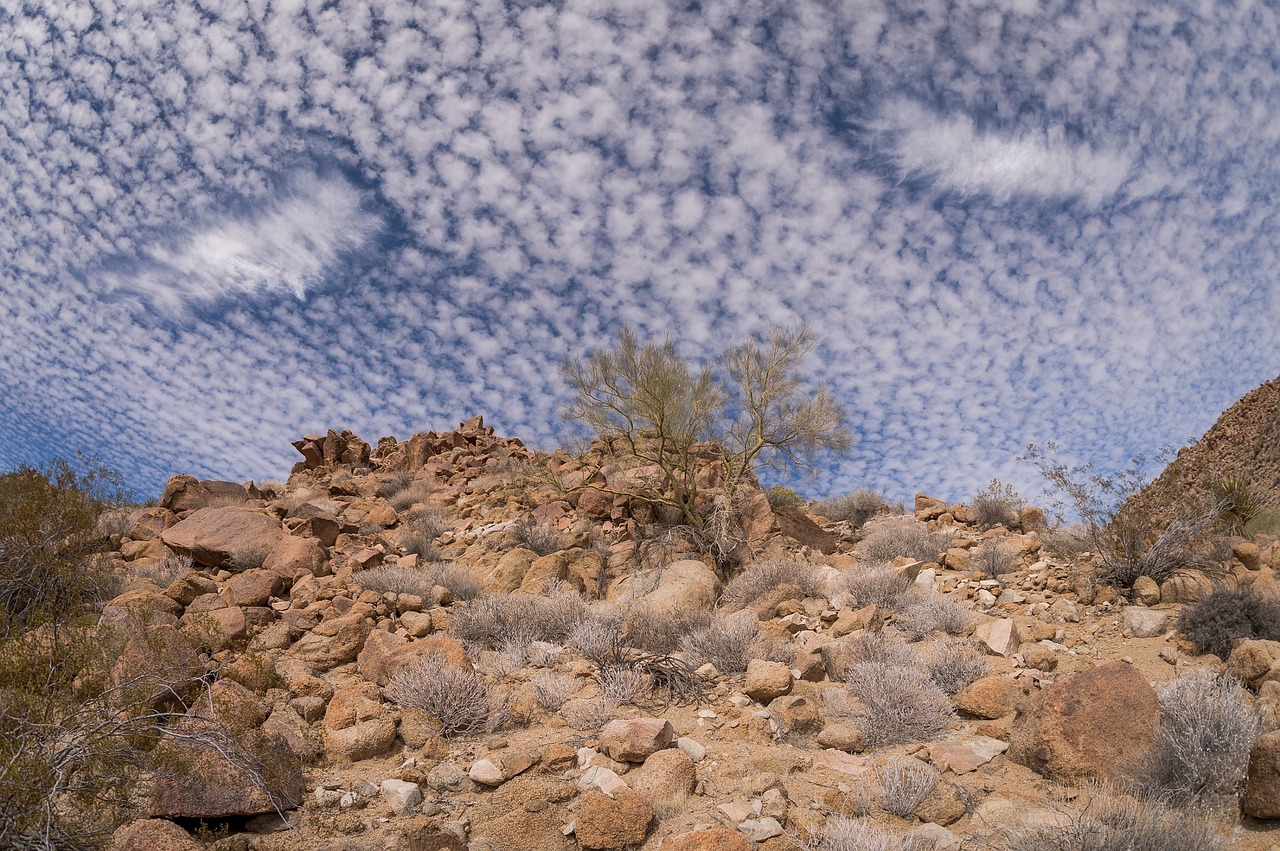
x,y
310,605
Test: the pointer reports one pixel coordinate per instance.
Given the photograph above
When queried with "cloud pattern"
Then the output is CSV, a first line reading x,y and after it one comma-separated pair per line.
x,y
231,222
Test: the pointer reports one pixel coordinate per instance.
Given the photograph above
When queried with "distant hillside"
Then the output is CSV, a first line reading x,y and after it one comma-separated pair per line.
x,y
1245,441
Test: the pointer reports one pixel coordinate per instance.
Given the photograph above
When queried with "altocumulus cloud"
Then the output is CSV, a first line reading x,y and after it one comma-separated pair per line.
x,y
225,224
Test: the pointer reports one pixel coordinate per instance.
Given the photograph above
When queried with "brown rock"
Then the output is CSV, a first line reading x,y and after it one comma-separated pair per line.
x,y
613,823
1000,637
192,781
333,642
943,805
507,575
252,588
146,524
140,608
158,667
1189,586
843,737
231,538
686,585
633,740
665,775
1146,591
1262,788
1255,661
186,493
311,521
216,629
989,697
766,680
1100,723
547,569
153,834
1248,554
384,654
928,508
292,554
797,713
715,839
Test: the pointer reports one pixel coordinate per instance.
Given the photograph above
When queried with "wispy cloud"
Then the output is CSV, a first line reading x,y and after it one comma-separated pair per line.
x,y
283,245
960,158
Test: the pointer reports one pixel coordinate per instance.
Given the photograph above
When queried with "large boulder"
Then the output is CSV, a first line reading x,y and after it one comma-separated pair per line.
x,y
613,823
204,776
292,554
714,839
333,642
1097,724
1255,661
234,538
1262,788
680,586
634,739
186,493
153,834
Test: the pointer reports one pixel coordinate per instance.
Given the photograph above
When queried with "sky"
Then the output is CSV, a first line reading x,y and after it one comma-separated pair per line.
x,y
226,224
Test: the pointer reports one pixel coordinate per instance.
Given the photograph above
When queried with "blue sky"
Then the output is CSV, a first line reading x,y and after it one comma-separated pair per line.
x,y
229,223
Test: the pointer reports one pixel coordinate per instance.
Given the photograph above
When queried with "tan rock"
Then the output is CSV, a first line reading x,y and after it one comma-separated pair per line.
x,y
1255,661
544,570
1189,586
1097,724
766,680
964,753
146,524
613,823
635,739
157,667
1248,554
680,586
929,508
943,805
509,573
797,713
990,697
843,737
333,642
186,493
715,839
1262,787
153,835
142,607
258,775
253,588
1000,637
231,538
291,555
665,775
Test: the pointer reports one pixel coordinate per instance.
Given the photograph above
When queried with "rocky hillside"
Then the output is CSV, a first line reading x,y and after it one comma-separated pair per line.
x,y
450,642
1245,442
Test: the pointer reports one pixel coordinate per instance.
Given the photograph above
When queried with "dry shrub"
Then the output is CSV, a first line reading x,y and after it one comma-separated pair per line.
x,y
460,701
879,584
899,705
420,528
882,647
458,581
855,508
1103,820
1206,729
928,612
623,684
726,643
842,833
997,505
494,620
655,630
410,495
904,784
589,714
954,663
553,690
164,572
767,577
542,538
1215,623
397,483
598,638
396,580
994,557
890,537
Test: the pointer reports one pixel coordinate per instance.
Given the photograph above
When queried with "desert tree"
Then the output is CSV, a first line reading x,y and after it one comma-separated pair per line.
x,y
754,410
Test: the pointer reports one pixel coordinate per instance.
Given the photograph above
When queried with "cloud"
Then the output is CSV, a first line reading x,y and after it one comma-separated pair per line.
x,y
960,158
284,245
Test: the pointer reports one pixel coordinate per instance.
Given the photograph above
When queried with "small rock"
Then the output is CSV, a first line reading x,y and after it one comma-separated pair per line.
x,y
694,750
1262,788
767,680
401,796
632,740
1146,591
1145,623
760,830
486,773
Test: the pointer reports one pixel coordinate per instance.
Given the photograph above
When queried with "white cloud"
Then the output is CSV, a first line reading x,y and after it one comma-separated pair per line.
x,y
284,247
961,158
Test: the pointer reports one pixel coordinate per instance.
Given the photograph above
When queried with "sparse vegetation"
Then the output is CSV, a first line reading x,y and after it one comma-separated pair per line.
x,y
665,414
927,612
1104,820
842,833
455,579
1130,539
725,643
994,557
396,580
954,663
460,702
904,784
491,621
1239,503
997,504
855,508
1215,623
542,538
879,584
655,630
421,527
775,579
890,537
552,690
900,705
783,497
1206,729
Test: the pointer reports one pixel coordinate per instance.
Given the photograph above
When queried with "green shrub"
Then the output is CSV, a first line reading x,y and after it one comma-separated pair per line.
x,y
1238,501
783,497
1215,623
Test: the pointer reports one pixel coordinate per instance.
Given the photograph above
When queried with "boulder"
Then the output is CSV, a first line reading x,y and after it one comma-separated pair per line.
x,y
1146,591
965,753
509,572
153,834
990,697
666,775
715,839
1248,554
401,796
1255,661
292,554
1189,586
929,508
1097,724
331,450
158,667
258,775
613,823
253,588
634,739
686,585
999,637
766,680
146,524
1262,787
333,642
186,493
231,538
139,608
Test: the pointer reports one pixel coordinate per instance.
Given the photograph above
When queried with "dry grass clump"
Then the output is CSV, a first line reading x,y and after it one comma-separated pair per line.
x,y
494,620
997,504
420,528
598,637
461,702
782,578
409,494
458,581
1206,729
904,784
855,508
898,705
927,612
882,647
890,537
842,833
395,484
994,557
396,580
623,684
654,630
543,538
726,643
551,691
1104,820
954,663
164,572
589,714
879,584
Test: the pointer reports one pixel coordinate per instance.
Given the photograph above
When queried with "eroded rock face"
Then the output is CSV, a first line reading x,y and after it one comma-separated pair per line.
x,y
231,537
187,493
613,823
1098,724
1262,788
192,781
